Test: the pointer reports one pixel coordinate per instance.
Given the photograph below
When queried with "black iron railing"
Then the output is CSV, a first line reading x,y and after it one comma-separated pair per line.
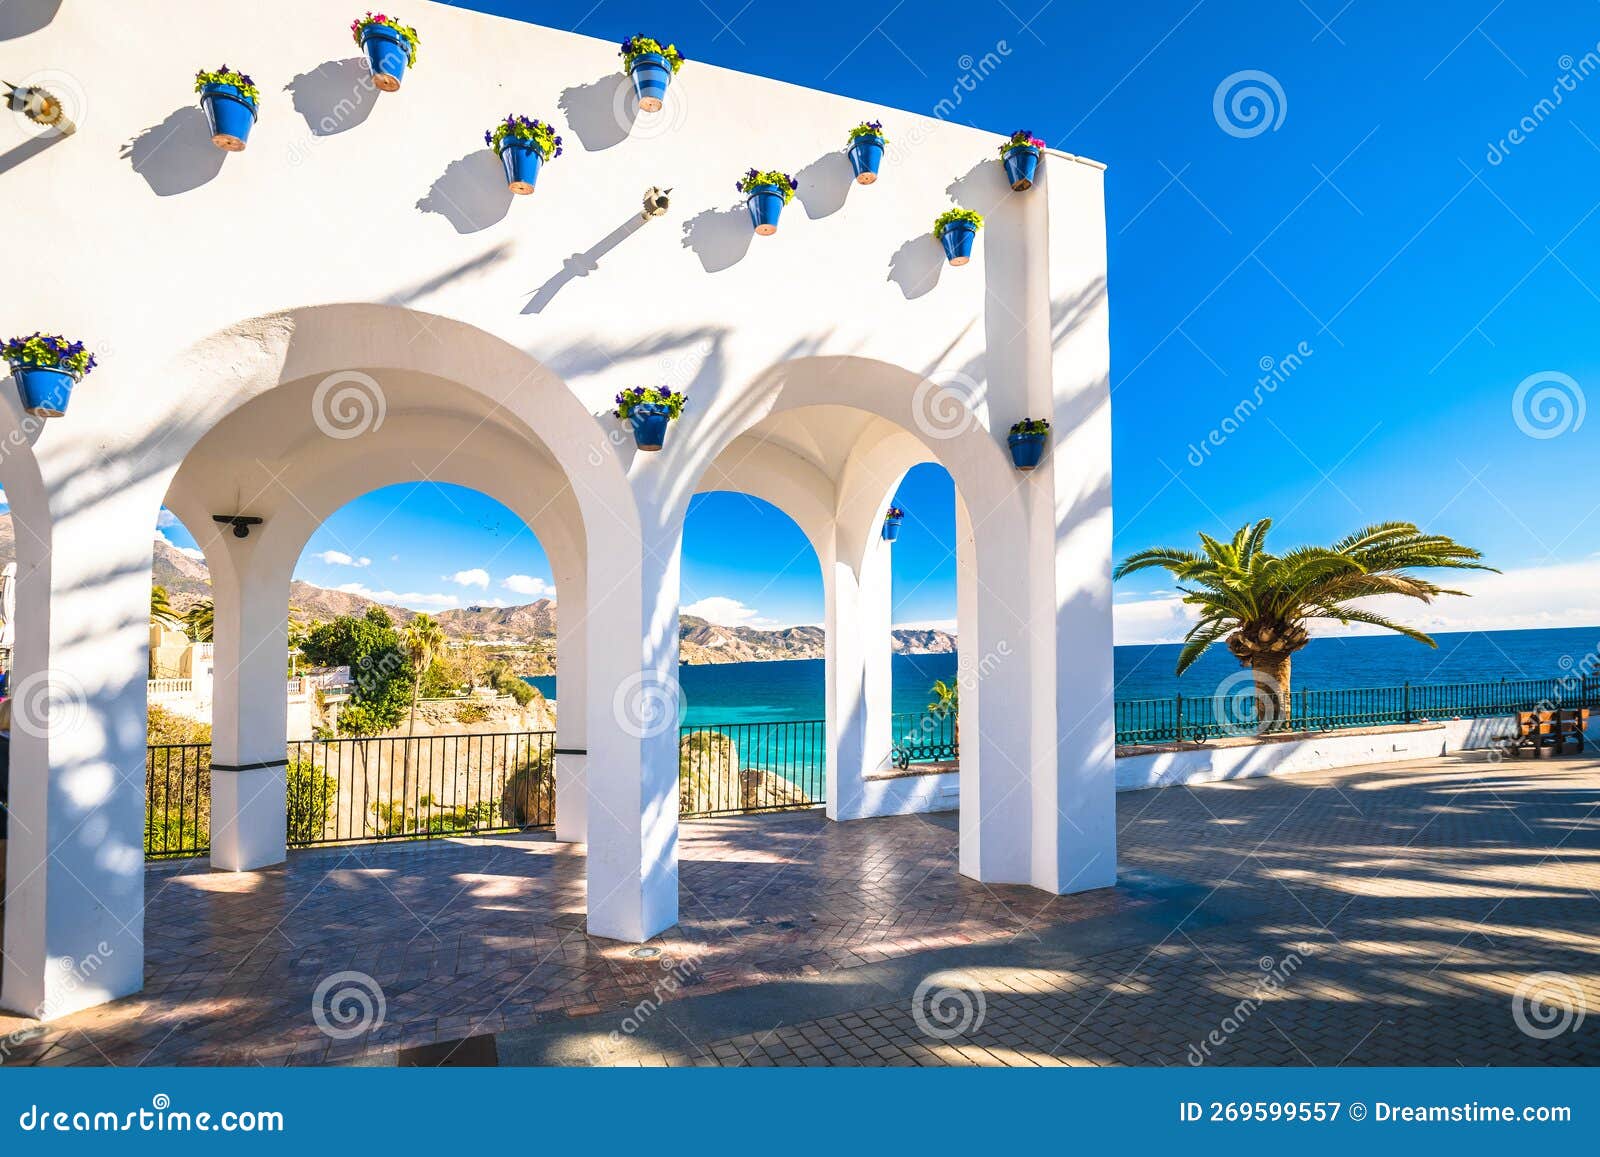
x,y
348,790
736,768
924,737
1198,718
177,815
356,790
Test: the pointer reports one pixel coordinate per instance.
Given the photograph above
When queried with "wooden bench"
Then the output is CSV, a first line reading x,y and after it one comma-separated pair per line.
x,y
1544,734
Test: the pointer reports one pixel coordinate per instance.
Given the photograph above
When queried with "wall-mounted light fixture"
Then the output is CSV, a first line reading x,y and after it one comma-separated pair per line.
x,y
655,203
40,107
241,523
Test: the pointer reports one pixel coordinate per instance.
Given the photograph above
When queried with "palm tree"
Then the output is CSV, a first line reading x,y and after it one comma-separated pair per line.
x,y
161,612
422,638
1258,603
946,702
201,621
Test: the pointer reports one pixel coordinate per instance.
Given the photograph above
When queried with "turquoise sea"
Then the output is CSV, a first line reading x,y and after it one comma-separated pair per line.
x,y
793,689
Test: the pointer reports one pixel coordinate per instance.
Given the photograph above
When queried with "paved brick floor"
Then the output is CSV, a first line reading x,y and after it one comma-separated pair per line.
x,y
1437,914
1367,916
471,937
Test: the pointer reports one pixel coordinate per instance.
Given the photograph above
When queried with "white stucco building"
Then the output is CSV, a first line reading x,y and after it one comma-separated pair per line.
x,y
357,300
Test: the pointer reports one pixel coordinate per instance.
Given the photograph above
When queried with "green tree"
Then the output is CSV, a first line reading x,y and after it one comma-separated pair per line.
x,y
379,668
946,703
422,638
1259,603
161,612
200,620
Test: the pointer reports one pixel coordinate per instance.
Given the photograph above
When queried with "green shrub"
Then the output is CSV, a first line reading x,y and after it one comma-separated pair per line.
x,y
312,793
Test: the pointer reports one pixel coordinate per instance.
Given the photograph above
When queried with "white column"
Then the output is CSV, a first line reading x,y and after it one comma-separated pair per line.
x,y
633,713
999,697
858,608
572,698
250,706
75,855
1075,835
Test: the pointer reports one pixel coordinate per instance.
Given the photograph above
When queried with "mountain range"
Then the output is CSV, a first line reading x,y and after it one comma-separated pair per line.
x,y
187,581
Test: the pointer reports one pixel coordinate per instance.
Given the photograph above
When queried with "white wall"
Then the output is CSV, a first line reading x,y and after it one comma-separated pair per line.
x,y
373,234
1321,752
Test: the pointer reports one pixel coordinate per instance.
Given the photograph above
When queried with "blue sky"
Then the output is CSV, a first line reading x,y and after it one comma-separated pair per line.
x,y
1412,273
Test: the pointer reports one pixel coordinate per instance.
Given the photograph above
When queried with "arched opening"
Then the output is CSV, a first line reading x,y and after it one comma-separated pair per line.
x,y
752,665
925,682
837,437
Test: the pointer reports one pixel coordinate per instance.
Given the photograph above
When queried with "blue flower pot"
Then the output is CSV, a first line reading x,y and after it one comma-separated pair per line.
x,y
521,161
387,54
957,238
649,424
1022,163
891,529
1026,450
652,72
45,390
230,114
866,154
765,203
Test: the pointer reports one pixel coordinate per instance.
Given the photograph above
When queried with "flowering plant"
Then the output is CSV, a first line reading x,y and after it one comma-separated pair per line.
x,y
784,182
225,75
893,513
1021,137
868,129
637,46
540,135
674,401
1031,426
407,33
950,216
50,352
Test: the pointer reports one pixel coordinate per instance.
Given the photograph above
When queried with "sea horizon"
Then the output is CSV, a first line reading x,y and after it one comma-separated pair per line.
x,y
789,690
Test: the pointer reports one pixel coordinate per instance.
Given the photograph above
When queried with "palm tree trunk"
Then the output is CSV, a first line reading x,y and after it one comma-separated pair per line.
x,y
1272,691
411,730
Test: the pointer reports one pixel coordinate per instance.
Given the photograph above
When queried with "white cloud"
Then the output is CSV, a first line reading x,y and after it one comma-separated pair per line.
x,y
193,552
726,612
527,584
165,518
1560,595
412,599
340,558
948,626
477,577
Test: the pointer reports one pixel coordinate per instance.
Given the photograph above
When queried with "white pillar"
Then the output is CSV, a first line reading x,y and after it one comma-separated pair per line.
x,y
75,855
249,717
633,713
572,698
858,607
1075,835
998,699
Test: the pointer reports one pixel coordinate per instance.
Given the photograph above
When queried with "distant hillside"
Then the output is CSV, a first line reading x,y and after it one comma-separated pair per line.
x,y
187,581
